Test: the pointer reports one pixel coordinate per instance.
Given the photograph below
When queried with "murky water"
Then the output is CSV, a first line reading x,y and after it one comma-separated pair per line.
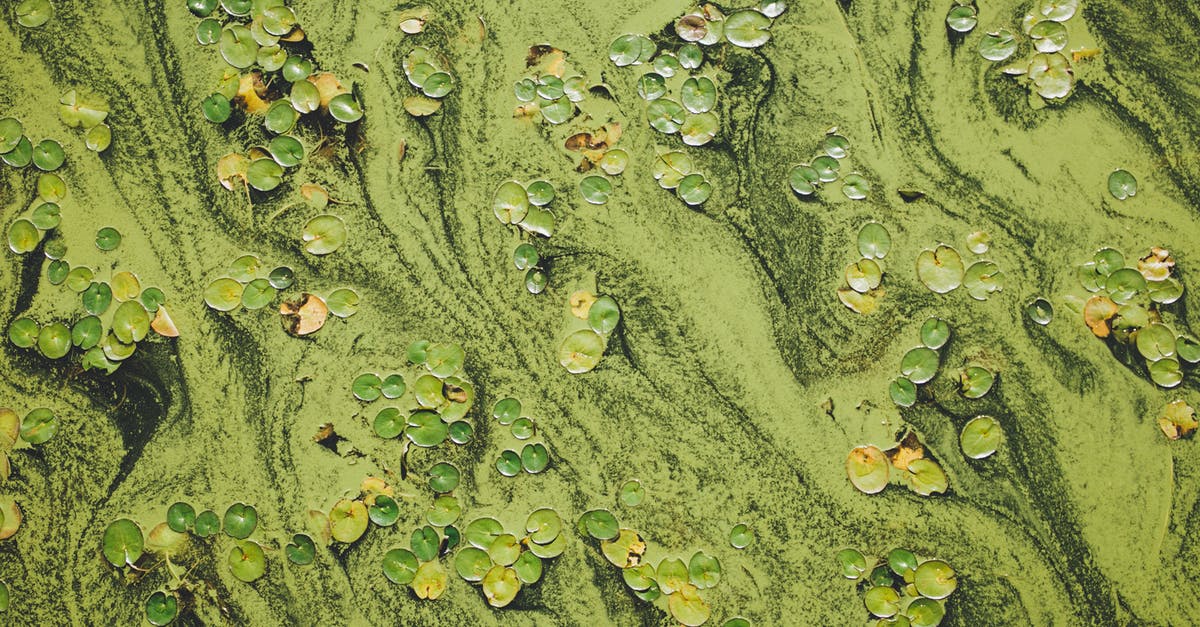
x,y
733,388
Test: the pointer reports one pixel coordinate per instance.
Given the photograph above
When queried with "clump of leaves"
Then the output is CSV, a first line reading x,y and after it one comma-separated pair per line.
x,y
1048,72
1132,307
870,469
250,284
592,319
270,76
534,457
921,363
900,587
1178,420
672,582
501,563
527,206
806,178
861,289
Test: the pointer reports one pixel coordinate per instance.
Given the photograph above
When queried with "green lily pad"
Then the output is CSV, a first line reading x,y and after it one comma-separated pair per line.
x,y
926,477
1052,75
526,257
500,586
389,423
23,333
208,31
902,561
510,202
665,115
882,601
827,168
301,551
54,339
651,86
1040,311
509,463
528,568
130,323
672,575
747,29
180,517
975,381
39,426
1155,341
247,561
481,532
444,360
543,525
534,457
223,294
238,47
688,607
96,298
367,387
51,187
741,536
425,542
504,549
258,294
698,95
343,302
595,189
855,186
1166,373
287,151
600,524
161,608
853,564
345,109
804,179
874,241
444,511
207,524
348,520
671,167
919,364
1124,285
998,45
108,238
11,133
87,332
123,542
863,275
941,270
400,566
935,579
443,477
23,236
704,571
48,155
264,174
903,392
472,564
523,428
581,351
631,50
21,155
324,234
980,437
983,279
506,410
925,613
304,95
962,18
935,333
868,469
426,429
46,216
604,315
384,511
1048,36
632,493
240,521
614,162
698,129
694,189
558,111
1122,184
1187,348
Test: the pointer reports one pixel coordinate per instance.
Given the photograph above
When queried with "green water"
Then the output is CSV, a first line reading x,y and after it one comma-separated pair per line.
x,y
737,381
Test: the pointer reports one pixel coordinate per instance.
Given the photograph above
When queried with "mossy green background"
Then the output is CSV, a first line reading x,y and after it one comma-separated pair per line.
x,y
737,383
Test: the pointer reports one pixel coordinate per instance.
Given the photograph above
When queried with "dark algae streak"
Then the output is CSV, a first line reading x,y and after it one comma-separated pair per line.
x,y
620,313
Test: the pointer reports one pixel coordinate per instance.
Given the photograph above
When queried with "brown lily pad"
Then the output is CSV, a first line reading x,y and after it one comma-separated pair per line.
x,y
305,315
1097,312
1179,420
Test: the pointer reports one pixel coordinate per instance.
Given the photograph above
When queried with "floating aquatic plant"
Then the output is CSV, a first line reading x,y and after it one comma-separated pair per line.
x,y
900,588
502,563
1130,307
861,290
593,320
1048,72
980,437
870,469
1178,420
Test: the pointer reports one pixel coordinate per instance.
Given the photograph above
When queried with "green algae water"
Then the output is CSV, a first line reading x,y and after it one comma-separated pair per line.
x,y
639,385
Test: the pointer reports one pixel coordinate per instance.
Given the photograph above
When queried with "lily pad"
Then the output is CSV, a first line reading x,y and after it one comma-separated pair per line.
x,y
980,437
348,520
903,392
324,234
741,536
247,561
510,203
853,564
108,238
48,155
301,550
23,236
1040,311
180,517
1122,184
919,364
39,426
983,279
747,29
882,601
935,579
581,351
855,186
962,18
500,586
868,469
595,189
400,566
123,542
161,608
975,381
54,339
998,45
874,241
941,269
240,520
223,294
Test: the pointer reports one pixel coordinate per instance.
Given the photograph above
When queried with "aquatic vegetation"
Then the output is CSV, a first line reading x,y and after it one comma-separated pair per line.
x,y
88,112
591,321
980,437
552,88
861,290
533,457
502,563
805,179
428,404
248,284
671,583
271,76
920,364
1178,420
900,588
1122,184
943,269
1049,73
1130,307
962,17
429,73
870,469
528,208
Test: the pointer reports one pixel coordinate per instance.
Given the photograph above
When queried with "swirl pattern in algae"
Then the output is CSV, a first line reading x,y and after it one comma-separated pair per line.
x,y
737,382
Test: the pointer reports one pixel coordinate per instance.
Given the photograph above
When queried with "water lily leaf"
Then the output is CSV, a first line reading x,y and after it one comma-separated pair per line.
x,y
868,469
1122,184
698,95
962,18
941,269
348,520
161,608
581,351
500,586
935,579
247,561
123,542
998,45
510,203
1052,75
925,477
324,234
980,437
747,29
240,521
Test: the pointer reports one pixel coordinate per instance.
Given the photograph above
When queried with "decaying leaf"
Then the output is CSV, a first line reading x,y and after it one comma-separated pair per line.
x,y
373,487
1179,420
1157,265
909,450
232,167
860,303
163,324
1097,313
581,303
328,86
420,106
251,91
304,316
551,59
